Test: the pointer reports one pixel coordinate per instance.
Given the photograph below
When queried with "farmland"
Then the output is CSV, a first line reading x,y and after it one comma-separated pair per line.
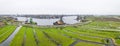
x,y
6,31
87,35
95,33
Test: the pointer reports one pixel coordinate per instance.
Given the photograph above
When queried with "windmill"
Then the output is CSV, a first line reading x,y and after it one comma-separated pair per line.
x,y
59,22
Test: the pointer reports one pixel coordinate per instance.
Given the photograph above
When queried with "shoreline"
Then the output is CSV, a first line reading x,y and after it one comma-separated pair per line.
x,y
76,24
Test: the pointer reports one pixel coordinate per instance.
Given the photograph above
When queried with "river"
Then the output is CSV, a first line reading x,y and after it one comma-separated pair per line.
x,y
66,19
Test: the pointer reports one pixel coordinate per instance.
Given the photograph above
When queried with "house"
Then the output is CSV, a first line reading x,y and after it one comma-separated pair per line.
x,y
59,22
1,23
29,21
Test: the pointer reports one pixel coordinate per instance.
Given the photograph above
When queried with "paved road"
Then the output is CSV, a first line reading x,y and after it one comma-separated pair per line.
x,y
9,39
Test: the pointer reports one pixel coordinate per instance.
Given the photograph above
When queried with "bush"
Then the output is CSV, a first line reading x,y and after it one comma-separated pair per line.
x,y
117,37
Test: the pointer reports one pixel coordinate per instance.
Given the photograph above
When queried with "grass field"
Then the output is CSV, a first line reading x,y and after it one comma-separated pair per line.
x,y
19,38
65,36
6,31
91,34
43,39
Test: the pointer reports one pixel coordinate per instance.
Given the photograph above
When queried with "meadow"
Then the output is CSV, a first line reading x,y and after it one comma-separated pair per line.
x,y
95,33
87,35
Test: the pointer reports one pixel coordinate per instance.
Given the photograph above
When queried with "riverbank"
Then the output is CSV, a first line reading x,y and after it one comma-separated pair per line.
x,y
76,24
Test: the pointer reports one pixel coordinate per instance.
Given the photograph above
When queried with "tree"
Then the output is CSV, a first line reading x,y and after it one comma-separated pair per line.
x,y
31,20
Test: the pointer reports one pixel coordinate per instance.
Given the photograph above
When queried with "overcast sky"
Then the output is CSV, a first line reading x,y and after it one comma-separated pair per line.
x,y
60,7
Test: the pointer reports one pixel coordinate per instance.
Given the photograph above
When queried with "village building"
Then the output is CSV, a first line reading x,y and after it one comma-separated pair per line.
x,y
1,23
59,22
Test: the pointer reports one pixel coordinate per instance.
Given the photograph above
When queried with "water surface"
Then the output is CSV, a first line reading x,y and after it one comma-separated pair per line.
x,y
67,20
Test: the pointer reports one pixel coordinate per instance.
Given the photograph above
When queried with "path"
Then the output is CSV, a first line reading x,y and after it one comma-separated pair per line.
x,y
117,18
111,43
9,39
106,29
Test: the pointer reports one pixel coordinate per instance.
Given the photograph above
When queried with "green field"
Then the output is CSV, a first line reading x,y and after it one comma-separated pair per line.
x,y
65,36
6,31
95,33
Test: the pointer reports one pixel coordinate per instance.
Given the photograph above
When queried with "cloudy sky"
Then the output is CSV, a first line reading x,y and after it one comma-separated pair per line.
x,y
60,7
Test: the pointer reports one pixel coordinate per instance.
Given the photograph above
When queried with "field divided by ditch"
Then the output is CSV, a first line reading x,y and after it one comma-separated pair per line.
x,y
85,35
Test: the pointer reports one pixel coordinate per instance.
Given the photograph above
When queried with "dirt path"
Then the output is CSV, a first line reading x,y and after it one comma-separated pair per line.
x,y
106,29
9,39
117,18
111,43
